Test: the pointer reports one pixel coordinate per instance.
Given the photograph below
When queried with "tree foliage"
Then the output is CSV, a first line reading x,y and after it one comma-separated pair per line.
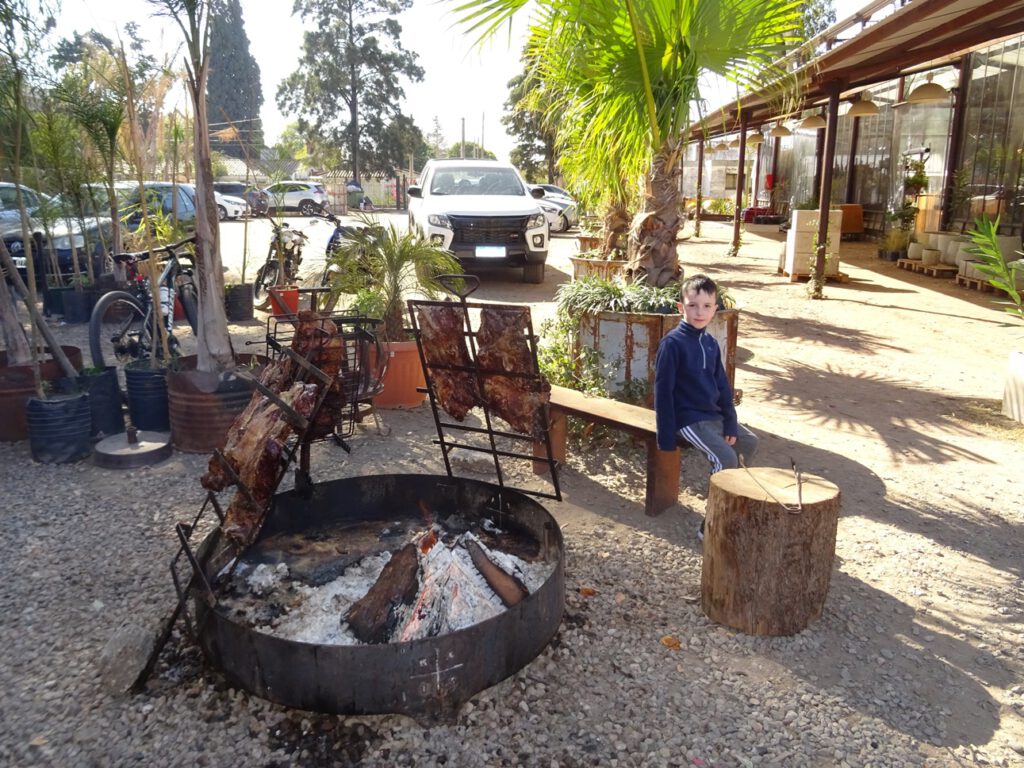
x,y
819,15
234,96
347,88
473,151
534,150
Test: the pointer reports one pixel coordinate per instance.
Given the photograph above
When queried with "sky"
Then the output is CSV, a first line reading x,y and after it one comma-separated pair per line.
x,y
462,83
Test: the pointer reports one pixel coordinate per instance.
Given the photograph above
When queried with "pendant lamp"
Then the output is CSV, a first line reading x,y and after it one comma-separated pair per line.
x,y
814,123
780,131
734,144
865,107
928,93
754,139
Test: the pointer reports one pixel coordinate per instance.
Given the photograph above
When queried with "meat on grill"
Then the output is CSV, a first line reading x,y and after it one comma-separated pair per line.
x,y
513,387
443,341
258,435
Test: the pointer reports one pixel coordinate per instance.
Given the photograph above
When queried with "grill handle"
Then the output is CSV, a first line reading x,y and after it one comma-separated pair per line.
x,y
459,285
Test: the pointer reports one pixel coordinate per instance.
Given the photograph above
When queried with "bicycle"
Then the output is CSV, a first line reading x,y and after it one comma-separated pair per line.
x,y
121,324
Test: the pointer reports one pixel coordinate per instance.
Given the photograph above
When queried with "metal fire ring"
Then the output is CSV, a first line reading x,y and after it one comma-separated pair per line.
x,y
132,449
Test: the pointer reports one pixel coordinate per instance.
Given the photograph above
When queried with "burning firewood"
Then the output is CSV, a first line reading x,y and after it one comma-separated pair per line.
x,y
507,587
373,617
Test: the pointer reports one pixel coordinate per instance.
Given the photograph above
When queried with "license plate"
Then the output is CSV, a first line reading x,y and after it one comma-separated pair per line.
x,y
490,251
20,262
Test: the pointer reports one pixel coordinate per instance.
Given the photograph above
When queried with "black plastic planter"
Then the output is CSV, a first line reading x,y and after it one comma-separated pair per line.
x,y
104,401
58,428
78,305
147,397
238,303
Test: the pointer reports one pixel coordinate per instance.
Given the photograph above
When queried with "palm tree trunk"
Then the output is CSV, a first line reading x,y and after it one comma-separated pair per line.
x,y
615,225
652,239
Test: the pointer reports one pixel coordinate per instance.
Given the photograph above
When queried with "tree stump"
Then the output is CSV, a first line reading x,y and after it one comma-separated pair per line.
x,y
768,550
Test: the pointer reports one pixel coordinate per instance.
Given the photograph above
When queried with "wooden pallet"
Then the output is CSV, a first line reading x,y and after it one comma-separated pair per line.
x,y
841,277
975,283
914,265
939,270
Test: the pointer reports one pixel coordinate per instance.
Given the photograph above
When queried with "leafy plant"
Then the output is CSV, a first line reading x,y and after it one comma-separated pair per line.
x,y
381,267
1001,274
594,294
915,180
896,240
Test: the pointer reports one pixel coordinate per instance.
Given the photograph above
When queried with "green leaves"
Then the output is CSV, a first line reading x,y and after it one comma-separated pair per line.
x,y
1001,274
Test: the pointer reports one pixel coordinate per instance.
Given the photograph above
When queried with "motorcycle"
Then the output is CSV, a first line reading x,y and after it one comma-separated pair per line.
x,y
342,231
285,253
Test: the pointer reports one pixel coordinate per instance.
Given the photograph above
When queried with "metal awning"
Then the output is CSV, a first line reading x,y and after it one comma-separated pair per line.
x,y
922,35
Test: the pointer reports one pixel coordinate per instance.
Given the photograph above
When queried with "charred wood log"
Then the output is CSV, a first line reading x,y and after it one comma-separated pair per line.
x,y
507,587
373,616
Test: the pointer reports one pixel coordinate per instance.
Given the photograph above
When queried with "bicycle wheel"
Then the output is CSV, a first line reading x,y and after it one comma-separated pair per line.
x,y
118,332
266,277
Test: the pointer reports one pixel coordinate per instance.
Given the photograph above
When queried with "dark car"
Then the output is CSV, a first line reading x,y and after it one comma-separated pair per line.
x,y
163,200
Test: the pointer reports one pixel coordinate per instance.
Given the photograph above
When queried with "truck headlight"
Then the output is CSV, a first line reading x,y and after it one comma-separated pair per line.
x,y
535,221
439,220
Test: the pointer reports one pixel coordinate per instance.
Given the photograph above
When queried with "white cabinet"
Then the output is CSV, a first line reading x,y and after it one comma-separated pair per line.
x,y
799,254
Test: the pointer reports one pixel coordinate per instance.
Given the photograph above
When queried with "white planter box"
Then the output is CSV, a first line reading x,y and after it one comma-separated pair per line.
x,y
799,254
1013,393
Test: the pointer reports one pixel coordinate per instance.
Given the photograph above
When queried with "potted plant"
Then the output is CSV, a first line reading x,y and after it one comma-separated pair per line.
x,y
597,263
378,268
894,244
600,314
915,180
1007,275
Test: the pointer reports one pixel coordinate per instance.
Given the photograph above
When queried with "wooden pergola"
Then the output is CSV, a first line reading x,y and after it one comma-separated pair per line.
x,y
922,35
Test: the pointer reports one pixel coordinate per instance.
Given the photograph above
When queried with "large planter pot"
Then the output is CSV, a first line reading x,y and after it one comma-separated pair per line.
x,y
105,402
403,377
78,305
238,305
588,242
603,268
202,406
1013,393
59,427
17,385
147,396
628,343
53,300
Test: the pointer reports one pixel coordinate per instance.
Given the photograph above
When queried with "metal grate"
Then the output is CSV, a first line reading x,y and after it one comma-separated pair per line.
x,y
531,379
489,230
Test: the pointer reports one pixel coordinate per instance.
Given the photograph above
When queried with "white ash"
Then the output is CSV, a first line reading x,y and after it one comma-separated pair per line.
x,y
264,578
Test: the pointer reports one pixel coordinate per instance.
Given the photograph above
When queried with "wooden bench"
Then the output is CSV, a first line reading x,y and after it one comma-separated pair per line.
x,y
662,466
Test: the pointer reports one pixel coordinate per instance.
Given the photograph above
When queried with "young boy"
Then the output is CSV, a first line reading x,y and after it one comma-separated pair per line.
x,y
692,395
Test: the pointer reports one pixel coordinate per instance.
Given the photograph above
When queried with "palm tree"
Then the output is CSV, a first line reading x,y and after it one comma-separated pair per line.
x,y
624,75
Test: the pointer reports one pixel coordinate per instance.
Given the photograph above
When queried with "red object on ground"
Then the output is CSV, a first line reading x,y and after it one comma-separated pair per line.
x,y
284,301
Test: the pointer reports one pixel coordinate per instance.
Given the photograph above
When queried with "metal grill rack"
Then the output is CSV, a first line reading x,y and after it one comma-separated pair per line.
x,y
540,444
362,369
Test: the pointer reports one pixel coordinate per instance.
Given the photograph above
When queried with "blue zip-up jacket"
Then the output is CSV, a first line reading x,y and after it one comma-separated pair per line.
x,y
690,384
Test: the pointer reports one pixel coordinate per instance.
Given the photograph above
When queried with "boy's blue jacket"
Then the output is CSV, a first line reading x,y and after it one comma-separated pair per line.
x,y
690,384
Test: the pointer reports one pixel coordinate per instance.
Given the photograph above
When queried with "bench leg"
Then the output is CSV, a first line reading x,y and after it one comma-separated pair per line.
x,y
662,479
558,434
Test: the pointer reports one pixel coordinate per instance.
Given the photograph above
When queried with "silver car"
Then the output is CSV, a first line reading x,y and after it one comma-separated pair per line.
x,y
306,197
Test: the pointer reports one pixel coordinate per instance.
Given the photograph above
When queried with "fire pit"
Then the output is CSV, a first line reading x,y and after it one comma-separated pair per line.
x,y
314,540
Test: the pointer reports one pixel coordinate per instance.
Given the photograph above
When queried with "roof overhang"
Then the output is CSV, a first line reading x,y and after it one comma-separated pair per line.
x,y
922,35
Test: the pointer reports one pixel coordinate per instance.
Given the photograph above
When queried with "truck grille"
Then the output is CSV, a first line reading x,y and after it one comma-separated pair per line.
x,y
488,230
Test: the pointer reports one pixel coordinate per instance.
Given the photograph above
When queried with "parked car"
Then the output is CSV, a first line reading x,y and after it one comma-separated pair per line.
x,y
306,197
257,200
160,199
483,212
560,212
551,191
229,207
9,200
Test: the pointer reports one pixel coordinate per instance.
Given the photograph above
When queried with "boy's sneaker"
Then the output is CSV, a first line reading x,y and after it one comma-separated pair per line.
x,y
700,531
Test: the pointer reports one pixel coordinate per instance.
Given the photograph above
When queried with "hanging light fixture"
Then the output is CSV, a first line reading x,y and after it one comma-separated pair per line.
x,y
928,93
814,123
864,107
780,131
755,138
720,147
734,144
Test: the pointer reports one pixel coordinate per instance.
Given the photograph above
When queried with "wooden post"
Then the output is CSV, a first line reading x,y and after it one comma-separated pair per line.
x,y
768,549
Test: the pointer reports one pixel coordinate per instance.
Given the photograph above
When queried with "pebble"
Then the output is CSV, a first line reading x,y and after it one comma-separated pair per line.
x,y
86,550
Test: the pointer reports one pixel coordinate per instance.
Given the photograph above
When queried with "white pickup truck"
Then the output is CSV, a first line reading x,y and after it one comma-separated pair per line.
x,y
483,212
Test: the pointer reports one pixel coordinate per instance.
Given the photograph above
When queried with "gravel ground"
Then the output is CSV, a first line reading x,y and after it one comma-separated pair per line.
x,y
916,662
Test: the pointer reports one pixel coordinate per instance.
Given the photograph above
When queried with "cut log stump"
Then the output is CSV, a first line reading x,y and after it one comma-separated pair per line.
x,y
768,549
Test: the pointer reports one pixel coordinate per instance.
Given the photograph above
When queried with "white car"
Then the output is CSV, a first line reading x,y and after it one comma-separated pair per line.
x,y
229,207
483,212
560,212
